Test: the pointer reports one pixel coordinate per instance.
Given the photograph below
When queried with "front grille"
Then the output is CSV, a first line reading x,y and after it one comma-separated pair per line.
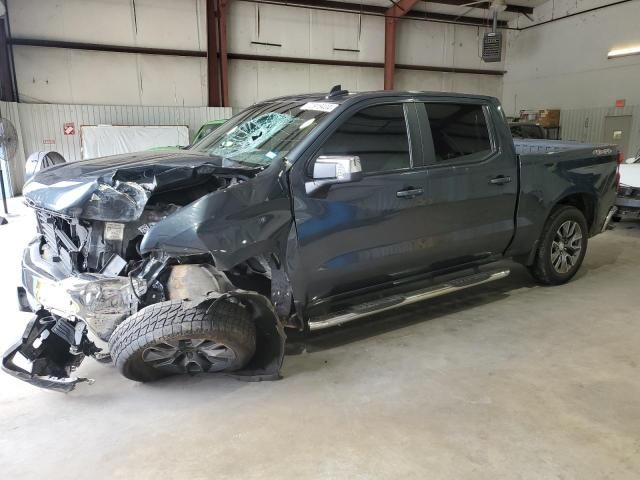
x,y
64,237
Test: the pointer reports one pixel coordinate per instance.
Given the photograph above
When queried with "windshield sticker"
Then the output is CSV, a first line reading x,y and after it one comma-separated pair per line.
x,y
249,136
319,106
271,155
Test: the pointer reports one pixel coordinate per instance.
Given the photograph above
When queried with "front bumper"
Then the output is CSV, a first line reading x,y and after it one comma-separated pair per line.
x,y
101,301
54,348
55,341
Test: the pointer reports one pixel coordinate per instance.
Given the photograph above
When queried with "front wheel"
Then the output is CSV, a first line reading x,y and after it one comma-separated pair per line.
x,y
562,247
168,339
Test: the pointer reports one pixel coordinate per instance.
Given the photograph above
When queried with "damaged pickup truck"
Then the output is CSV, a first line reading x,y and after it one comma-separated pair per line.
x,y
303,212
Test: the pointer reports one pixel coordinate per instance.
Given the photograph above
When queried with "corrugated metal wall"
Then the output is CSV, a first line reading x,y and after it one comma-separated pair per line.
x,y
41,125
587,124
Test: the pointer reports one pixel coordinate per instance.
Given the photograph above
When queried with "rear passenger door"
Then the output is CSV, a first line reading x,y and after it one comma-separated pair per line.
x,y
473,181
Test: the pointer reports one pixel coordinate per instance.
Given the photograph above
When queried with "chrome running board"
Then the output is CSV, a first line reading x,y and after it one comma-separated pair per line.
x,y
400,300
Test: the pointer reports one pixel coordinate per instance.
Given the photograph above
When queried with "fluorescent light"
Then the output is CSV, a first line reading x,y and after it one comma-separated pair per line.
x,y
621,52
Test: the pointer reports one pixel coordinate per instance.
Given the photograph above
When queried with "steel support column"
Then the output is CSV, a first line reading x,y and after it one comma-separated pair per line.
x,y
222,33
7,86
399,9
389,51
213,72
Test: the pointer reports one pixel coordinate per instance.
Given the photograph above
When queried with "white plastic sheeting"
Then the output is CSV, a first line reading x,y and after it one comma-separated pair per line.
x,y
104,140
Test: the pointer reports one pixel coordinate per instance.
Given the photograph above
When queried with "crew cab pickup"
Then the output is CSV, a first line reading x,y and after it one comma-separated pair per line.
x,y
300,212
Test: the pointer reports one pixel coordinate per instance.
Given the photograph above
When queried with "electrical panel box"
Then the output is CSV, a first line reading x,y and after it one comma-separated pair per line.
x,y
492,47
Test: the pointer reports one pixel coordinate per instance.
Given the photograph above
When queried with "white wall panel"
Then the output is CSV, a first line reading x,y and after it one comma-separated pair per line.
x,y
358,79
421,80
94,21
75,76
288,27
564,64
422,43
277,79
262,80
109,77
43,74
65,76
168,24
476,84
331,30
172,80
155,23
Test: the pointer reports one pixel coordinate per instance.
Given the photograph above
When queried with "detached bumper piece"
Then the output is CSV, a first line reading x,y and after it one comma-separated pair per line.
x,y
55,347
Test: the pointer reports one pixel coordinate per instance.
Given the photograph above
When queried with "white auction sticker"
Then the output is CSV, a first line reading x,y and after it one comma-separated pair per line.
x,y
319,106
113,231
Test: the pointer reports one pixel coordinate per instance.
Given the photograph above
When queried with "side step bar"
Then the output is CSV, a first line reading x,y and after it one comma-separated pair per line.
x,y
400,300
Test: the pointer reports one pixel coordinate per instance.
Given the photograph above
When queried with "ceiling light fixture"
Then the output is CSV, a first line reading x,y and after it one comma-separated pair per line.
x,y
623,52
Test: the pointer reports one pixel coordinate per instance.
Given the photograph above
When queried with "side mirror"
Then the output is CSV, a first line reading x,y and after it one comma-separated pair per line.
x,y
329,170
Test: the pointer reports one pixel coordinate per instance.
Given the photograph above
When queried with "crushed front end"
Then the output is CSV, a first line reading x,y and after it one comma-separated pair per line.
x,y
76,281
87,270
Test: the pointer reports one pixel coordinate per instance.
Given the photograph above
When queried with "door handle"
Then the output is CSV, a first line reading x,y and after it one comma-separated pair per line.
x,y
500,180
409,193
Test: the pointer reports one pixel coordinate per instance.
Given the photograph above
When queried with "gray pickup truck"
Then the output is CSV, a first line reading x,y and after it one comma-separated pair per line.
x,y
300,212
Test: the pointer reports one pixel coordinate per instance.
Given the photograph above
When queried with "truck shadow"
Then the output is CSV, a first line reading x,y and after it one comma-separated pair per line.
x,y
605,250
385,322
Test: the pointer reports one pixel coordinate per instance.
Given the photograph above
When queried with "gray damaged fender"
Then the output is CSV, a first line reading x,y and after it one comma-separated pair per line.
x,y
244,220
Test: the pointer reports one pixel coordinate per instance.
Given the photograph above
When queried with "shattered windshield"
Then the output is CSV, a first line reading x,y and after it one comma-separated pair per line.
x,y
264,133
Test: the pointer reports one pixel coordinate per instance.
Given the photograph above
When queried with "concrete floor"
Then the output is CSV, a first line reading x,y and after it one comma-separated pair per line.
x,y
507,380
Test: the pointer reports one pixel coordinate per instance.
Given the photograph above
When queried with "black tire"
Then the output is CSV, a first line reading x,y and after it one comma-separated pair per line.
x,y
543,269
227,328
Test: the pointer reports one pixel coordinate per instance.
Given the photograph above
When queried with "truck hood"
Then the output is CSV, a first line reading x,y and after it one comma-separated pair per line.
x,y
630,174
117,188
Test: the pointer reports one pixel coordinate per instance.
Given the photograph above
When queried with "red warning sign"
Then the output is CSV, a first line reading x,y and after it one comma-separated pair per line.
x,y
69,128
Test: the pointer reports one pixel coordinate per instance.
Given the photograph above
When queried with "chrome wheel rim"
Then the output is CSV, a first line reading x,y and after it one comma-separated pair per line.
x,y
566,247
189,355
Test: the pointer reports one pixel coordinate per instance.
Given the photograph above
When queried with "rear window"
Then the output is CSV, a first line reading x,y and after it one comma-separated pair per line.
x,y
459,131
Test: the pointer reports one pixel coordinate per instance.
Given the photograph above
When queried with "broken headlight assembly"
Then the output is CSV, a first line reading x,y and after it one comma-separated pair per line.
x,y
102,302
123,202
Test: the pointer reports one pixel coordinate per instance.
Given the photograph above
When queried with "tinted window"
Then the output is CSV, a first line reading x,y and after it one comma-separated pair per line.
x,y
458,130
378,135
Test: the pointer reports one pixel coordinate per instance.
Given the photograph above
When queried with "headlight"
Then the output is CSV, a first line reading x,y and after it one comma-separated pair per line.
x,y
102,302
122,203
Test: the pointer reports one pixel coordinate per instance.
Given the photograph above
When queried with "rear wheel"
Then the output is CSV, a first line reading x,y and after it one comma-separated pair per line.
x,y
168,339
562,246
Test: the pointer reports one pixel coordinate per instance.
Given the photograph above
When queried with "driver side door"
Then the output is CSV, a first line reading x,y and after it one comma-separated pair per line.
x,y
356,235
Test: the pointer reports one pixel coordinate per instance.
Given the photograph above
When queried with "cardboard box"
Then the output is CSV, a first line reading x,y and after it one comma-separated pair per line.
x,y
547,118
